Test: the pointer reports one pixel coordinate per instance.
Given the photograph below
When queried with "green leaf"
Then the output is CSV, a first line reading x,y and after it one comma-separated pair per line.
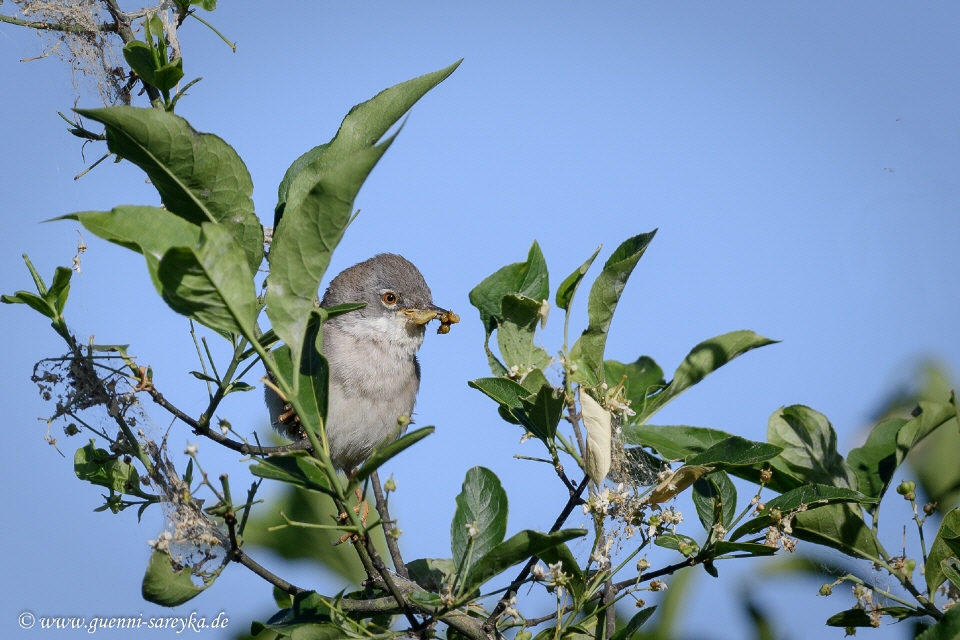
x,y
676,541
932,416
947,629
432,573
723,548
388,451
151,231
518,321
850,618
56,296
168,75
643,377
312,384
99,467
634,623
528,279
735,451
139,55
951,569
940,549
568,287
504,391
31,300
363,126
703,359
674,443
305,239
839,527
876,461
199,176
297,469
715,498
482,502
211,284
513,551
568,565
605,294
809,448
807,497
166,586
541,412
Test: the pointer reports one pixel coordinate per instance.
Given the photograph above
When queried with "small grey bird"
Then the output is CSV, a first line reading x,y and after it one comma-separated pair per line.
x,y
374,371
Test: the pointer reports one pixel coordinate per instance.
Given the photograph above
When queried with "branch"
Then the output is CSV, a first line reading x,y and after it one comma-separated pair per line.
x,y
275,580
57,26
490,623
122,26
219,438
388,526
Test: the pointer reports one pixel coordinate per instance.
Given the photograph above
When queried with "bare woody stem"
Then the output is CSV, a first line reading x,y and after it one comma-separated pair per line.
x,y
388,526
57,26
490,623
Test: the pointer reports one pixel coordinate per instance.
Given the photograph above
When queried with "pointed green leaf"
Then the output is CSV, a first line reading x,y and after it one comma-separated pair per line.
x,y
432,573
504,391
809,447
568,565
305,239
807,497
364,125
677,541
528,279
940,549
674,443
605,294
840,527
715,498
482,503
33,301
199,176
101,468
56,296
541,412
211,284
568,287
723,548
951,570
167,586
297,469
387,452
634,623
518,321
515,550
703,359
167,76
947,629
643,378
876,461
734,452
139,55
151,231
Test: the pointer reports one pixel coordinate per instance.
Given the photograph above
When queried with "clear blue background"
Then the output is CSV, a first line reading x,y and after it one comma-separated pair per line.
x,y
800,162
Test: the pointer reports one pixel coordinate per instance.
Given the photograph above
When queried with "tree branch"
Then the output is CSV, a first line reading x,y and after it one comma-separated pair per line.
x,y
388,525
490,623
57,26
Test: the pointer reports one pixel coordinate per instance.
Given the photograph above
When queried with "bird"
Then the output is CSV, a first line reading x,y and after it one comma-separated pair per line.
x,y
374,372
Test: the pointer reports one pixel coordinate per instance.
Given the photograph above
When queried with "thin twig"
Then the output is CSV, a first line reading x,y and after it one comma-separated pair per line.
x,y
57,26
242,558
388,526
490,623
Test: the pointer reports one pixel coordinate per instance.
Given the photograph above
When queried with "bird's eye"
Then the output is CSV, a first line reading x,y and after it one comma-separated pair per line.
x,y
389,298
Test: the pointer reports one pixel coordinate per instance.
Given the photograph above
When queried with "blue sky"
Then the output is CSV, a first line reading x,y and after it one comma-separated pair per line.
x,y
799,161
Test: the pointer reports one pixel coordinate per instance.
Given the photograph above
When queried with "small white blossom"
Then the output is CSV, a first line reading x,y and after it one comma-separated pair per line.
x,y
472,530
538,572
191,450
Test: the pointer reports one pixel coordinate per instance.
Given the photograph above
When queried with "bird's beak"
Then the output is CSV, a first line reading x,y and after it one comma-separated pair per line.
x,y
431,312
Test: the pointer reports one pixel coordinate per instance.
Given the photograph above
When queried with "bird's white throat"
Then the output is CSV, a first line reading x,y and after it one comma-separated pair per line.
x,y
403,336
